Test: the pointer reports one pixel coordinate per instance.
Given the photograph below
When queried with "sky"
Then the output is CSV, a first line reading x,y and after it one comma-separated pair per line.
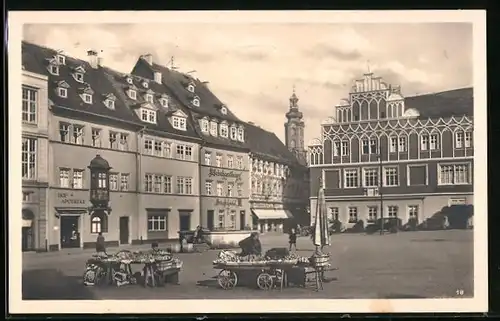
x,y
253,68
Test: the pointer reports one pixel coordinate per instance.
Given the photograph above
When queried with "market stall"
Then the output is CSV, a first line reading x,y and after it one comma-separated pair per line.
x,y
155,268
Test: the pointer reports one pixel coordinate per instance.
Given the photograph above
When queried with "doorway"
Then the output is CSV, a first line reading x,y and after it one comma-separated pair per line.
x,y
124,232
70,231
243,218
184,221
210,220
27,239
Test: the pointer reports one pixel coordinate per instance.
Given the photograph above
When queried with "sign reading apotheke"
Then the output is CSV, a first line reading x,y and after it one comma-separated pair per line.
x,y
226,202
223,173
69,199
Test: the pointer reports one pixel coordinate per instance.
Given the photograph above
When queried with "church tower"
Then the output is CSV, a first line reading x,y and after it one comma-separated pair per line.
x,y
294,129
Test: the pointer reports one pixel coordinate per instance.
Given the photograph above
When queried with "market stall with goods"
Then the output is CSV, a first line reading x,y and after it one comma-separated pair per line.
x,y
156,267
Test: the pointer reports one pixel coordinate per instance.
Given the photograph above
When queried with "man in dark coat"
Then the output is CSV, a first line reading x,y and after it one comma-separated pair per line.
x,y
100,246
251,245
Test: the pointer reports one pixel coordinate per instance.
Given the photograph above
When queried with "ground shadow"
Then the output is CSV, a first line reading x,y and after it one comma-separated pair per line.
x,y
51,284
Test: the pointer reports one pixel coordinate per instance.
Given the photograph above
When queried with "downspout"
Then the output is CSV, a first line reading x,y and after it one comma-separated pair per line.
x,y
138,179
200,184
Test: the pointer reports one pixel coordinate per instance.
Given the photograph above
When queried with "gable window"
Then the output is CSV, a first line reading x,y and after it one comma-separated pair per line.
x,y
148,116
29,105
241,134
61,59
62,92
223,130
132,94
149,98
234,134
204,126
213,128
196,101
179,123
54,69
87,98
109,103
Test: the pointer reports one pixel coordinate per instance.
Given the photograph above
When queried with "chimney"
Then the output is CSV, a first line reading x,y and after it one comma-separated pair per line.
x,y
93,58
148,58
157,77
99,61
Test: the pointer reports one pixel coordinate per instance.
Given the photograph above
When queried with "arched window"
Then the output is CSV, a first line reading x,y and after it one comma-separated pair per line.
x,y
292,143
99,223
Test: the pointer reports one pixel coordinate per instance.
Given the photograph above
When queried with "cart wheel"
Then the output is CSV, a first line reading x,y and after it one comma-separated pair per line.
x,y
265,281
227,279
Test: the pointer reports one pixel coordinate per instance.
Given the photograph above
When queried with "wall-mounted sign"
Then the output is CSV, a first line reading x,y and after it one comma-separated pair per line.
x,y
221,173
69,199
227,202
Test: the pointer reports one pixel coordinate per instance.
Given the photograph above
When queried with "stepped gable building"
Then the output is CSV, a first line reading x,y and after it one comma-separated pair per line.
x,y
224,170
277,195
405,156
102,174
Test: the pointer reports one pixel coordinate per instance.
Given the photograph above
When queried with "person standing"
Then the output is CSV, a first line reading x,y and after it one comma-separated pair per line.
x,y
100,245
292,240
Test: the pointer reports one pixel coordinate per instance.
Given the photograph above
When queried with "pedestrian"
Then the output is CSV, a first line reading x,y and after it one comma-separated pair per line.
x,y
100,246
292,240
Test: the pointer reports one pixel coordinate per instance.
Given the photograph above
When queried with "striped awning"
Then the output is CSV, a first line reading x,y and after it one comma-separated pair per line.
x,y
268,214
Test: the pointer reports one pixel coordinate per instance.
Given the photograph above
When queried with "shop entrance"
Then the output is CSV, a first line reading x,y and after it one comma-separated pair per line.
x,y
243,219
124,233
27,243
70,231
210,220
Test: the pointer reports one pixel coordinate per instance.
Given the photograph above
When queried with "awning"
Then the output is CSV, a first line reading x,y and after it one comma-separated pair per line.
x,y
290,215
270,214
27,223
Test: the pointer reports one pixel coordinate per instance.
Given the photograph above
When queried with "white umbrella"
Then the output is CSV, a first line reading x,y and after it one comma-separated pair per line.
x,y
320,234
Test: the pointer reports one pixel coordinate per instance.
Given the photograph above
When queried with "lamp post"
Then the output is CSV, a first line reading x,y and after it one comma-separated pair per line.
x,y
381,178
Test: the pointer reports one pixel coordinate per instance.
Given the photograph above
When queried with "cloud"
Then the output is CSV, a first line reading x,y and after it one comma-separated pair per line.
x,y
324,51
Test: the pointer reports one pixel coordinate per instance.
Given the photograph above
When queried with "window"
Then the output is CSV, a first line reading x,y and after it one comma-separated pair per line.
x,y
148,146
232,219
413,211
87,98
372,213
241,134
62,92
393,147
109,103
77,178
164,102
345,148
77,137
402,144
230,161
124,182
145,84
101,180
220,189
223,130
167,184
157,183
64,177
123,142
29,105
333,214
222,219
54,70
218,160
61,60
196,102
132,94
365,149
417,175
336,148
113,143
78,77
208,187
184,185
208,158
166,149
424,142
96,137
205,126
157,148
230,188
179,123
189,185
148,116
468,139
351,178
370,177
29,158
429,142
190,88
459,139
239,162
434,144
184,152
392,211
213,128
239,190
129,80
453,174
157,223
373,146
98,223
149,98
113,181
148,183
391,176
234,134
223,110
353,214
27,196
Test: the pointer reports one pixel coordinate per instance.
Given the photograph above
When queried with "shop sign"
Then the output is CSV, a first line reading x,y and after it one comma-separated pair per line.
x,y
69,199
227,202
263,205
222,173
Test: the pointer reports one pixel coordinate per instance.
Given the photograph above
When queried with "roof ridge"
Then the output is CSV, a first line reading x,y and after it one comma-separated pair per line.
x,y
441,92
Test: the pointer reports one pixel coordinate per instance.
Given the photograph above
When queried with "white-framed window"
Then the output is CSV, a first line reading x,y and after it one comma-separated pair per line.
x,y
130,80
101,180
113,140
333,213
77,137
145,84
402,144
149,98
424,142
459,139
123,142
218,160
208,158
188,181
232,219
351,178
87,98
157,223
336,148
184,185
220,188
370,177
223,130
166,149
29,105
372,213
453,174
373,146
196,102
241,134
391,176
208,187
239,190
96,137
157,183
78,76
365,146
148,116
164,102
230,189
132,94
124,182
109,103
61,59
190,88
223,110
64,177
148,183
78,178
96,224
184,152
230,161
413,211
392,211
345,148
167,184
29,159
433,142
213,128
180,185
468,139
157,148
234,134
148,146
113,181
353,214
205,127
27,197
239,162
62,92
179,123
222,219
54,69
393,145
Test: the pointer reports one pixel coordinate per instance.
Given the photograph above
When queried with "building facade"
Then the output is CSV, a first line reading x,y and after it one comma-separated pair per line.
x,y
383,154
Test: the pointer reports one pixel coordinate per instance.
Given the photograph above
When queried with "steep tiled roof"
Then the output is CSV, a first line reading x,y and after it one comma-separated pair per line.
x,y
267,145
457,102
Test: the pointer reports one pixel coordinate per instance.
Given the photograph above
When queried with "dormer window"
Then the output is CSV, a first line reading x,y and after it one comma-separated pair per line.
x,y
87,98
205,126
145,84
223,110
62,89
191,87
233,133
164,102
179,122
148,115
54,69
79,77
110,101
196,101
149,98
241,134
61,59
78,74
130,80
213,128
223,130
132,94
